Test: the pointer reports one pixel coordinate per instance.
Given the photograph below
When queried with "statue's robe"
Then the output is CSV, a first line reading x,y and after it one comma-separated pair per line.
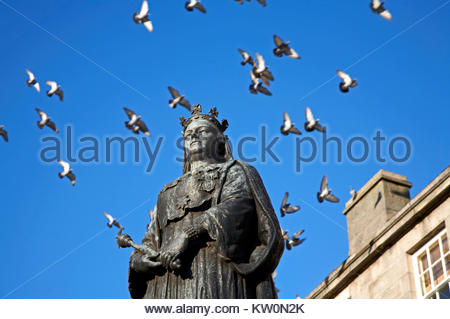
x,y
241,248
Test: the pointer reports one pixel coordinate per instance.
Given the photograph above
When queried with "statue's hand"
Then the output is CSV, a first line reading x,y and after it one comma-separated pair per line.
x,y
143,263
124,240
169,255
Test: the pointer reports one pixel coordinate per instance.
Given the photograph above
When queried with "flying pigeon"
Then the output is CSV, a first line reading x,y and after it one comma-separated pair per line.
x,y
377,7
178,99
67,172
347,81
353,193
191,4
45,121
294,240
55,89
263,2
3,133
257,86
133,118
112,221
247,57
325,192
142,17
311,123
32,81
140,126
288,126
285,234
286,208
283,48
260,70
135,124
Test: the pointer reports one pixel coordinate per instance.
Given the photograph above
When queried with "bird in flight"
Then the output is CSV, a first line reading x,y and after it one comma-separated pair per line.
x,y
288,126
287,208
377,7
32,81
142,17
67,172
45,121
135,123
311,123
283,48
191,4
112,221
261,70
178,99
257,86
55,89
325,192
347,81
247,58
295,240
3,133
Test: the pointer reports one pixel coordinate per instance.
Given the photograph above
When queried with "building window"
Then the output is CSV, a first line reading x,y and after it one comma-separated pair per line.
x,y
432,268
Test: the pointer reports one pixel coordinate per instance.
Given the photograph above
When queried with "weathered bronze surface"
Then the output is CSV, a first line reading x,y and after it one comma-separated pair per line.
x,y
214,227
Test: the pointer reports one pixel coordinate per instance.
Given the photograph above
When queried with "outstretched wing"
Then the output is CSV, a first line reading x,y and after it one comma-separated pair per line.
x,y
285,198
65,166
52,126
386,14
263,2
4,134
292,209
344,76
30,75
174,92
37,87
60,93
144,8
186,104
277,40
53,85
287,120
319,127
142,127
332,198
42,114
260,61
109,217
294,130
148,25
200,7
71,177
324,183
264,90
244,54
309,115
130,113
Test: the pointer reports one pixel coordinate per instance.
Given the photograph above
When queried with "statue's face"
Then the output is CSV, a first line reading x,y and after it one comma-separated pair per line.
x,y
200,140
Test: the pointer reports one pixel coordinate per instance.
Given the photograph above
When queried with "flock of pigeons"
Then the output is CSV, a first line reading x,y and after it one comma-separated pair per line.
x,y
261,79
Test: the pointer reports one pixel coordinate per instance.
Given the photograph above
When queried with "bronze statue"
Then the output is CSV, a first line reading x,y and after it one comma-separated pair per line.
x,y
214,229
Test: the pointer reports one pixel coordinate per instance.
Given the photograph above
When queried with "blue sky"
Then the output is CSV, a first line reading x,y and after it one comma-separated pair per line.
x,y
55,242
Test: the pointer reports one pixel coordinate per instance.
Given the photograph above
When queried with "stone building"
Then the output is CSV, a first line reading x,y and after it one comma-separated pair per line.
x,y
398,247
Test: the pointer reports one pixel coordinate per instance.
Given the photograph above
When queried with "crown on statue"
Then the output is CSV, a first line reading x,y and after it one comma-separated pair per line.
x,y
196,115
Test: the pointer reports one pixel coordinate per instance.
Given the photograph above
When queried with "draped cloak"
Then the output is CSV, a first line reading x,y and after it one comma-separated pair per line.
x,y
236,255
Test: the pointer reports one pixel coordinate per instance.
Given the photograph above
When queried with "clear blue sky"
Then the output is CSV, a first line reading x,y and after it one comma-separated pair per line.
x,y
54,240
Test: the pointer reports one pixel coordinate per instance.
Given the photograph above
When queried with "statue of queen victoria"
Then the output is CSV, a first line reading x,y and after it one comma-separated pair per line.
x,y
214,227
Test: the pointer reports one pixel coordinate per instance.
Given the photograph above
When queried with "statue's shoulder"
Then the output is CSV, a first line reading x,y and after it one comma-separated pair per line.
x,y
172,184
246,166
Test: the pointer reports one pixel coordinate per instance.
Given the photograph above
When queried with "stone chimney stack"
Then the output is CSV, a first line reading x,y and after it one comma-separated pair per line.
x,y
375,204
